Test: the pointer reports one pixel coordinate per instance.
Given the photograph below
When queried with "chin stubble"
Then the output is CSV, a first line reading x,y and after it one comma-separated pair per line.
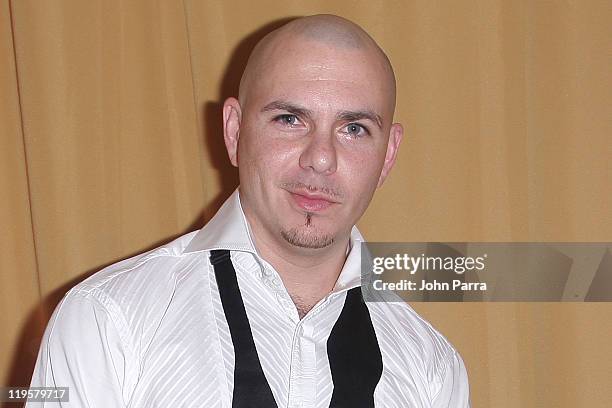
x,y
305,238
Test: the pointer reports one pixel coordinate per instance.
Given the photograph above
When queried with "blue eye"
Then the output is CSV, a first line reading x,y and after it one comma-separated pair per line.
x,y
287,119
356,130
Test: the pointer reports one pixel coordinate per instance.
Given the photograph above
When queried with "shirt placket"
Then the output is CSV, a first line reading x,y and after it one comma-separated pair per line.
x,y
295,395
302,384
303,370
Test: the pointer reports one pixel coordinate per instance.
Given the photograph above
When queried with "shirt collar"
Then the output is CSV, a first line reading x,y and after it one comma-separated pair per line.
x,y
229,229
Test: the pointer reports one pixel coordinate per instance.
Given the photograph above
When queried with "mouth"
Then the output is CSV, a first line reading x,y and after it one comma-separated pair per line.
x,y
311,201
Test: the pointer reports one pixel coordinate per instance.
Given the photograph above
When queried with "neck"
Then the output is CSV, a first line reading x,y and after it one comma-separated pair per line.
x,y
308,274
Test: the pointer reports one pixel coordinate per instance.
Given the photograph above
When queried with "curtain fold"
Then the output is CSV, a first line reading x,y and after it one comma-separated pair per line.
x,y
111,143
19,273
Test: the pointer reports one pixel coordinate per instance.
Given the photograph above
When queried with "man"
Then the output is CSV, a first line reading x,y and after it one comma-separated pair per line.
x,y
262,307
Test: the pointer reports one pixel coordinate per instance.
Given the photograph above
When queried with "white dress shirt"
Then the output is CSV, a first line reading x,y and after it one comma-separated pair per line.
x,y
150,331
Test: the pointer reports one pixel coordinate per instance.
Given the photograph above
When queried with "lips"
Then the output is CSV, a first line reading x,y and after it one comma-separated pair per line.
x,y
311,202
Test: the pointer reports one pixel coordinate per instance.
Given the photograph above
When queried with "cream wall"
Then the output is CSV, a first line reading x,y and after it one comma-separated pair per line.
x,y
110,144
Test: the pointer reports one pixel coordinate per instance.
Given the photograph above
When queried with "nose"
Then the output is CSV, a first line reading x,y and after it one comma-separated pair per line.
x,y
320,154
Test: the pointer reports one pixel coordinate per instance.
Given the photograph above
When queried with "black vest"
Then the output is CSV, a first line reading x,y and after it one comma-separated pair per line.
x,y
352,349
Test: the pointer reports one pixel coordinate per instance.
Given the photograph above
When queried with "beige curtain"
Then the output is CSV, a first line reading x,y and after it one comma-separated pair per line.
x,y
111,144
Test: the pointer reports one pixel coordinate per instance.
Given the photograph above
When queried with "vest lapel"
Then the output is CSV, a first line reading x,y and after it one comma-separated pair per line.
x,y
251,389
354,356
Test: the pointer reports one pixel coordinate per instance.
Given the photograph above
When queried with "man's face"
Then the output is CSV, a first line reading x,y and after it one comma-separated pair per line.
x,y
312,142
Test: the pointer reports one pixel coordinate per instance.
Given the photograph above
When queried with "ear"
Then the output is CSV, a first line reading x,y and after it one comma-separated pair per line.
x,y
232,116
396,133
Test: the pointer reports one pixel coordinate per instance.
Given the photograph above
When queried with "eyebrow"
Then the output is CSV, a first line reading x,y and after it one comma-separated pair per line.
x,y
289,107
350,116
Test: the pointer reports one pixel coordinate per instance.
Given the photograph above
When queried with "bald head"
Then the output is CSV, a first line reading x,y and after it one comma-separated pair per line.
x,y
299,35
312,133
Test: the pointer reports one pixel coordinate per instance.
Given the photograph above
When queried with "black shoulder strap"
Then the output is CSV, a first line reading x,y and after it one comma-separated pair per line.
x,y
251,389
354,355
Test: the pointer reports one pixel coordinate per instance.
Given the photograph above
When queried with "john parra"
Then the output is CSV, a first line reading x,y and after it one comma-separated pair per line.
x,y
456,284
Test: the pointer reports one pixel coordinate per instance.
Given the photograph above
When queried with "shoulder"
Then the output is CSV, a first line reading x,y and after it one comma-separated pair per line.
x,y
109,320
143,274
412,340
134,293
